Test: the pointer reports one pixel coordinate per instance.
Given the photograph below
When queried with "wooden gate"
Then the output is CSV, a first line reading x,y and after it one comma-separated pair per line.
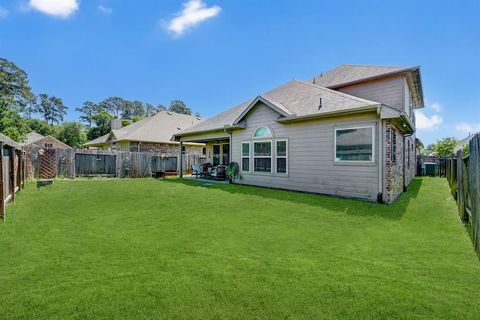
x,y
48,165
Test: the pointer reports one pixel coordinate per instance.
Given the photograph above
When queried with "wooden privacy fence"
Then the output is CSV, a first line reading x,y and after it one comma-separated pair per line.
x,y
463,175
71,163
12,172
440,165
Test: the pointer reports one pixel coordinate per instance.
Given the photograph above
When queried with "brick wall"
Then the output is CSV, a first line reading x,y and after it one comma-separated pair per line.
x,y
164,148
394,153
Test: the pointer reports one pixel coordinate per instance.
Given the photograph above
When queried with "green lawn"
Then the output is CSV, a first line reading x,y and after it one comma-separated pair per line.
x,y
150,249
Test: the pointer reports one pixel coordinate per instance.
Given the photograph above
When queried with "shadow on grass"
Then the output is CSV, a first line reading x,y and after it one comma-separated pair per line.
x,y
348,206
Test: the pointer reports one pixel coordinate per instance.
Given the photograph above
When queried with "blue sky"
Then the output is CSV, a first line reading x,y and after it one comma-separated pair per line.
x,y
214,54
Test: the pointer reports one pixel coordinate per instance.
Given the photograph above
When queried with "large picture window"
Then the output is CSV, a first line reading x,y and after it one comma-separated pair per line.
x,y
281,156
262,156
245,156
354,144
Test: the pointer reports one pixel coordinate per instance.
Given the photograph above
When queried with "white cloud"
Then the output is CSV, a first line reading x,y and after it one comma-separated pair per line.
x,y
467,128
105,10
3,12
193,13
425,122
437,107
58,8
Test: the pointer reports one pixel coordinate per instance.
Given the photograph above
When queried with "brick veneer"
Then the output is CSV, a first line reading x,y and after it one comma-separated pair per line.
x,y
394,163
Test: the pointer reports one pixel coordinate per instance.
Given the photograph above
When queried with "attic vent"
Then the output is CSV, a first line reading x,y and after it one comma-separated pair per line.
x,y
169,113
320,105
198,118
178,128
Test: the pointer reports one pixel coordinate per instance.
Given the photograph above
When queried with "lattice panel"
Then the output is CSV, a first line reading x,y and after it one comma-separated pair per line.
x,y
47,164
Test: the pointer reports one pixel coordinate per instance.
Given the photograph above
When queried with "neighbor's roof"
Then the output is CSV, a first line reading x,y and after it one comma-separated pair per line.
x,y
349,74
9,142
31,138
460,144
293,99
158,128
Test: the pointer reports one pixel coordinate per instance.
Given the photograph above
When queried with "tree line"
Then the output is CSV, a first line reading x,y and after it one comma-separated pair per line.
x,y
22,111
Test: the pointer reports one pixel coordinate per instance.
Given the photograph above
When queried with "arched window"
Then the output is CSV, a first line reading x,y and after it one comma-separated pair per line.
x,y
262,132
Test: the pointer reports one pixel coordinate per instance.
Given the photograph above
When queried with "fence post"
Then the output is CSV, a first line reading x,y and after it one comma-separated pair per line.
x,y
2,184
474,184
460,187
181,160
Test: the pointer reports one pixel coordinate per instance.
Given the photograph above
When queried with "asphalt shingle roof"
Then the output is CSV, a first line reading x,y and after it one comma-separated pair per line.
x,y
348,73
158,128
297,98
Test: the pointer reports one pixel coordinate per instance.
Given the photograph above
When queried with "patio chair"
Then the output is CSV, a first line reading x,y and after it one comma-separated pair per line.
x,y
219,173
196,171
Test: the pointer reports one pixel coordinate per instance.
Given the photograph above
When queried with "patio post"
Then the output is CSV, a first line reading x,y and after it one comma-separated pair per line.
x,y
181,160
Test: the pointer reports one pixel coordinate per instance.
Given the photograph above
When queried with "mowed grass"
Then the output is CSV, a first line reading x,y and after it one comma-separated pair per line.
x,y
153,249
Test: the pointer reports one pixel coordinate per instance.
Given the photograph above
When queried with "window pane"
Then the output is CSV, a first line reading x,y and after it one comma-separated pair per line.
x,y
262,132
245,164
263,164
354,144
281,165
245,149
262,149
282,148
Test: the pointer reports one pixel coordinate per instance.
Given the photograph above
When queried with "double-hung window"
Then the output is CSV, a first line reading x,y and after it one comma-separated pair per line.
x,y
354,144
281,155
245,156
262,156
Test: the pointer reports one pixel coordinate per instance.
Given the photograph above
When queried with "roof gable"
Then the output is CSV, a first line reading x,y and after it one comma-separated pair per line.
x,y
278,107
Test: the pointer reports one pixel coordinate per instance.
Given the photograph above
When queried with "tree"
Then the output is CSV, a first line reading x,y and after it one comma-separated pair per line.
x,y
160,107
132,109
40,126
430,149
72,134
179,106
88,109
113,105
445,146
150,109
101,125
14,95
51,108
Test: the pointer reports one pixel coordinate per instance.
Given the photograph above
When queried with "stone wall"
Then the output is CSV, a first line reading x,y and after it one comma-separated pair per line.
x,y
394,158
164,148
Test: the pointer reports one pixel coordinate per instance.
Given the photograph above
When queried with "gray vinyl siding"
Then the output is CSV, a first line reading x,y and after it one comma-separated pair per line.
x,y
311,165
390,91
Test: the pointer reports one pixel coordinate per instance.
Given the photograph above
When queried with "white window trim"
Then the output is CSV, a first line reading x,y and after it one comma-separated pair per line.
x,y
249,157
281,157
271,155
354,161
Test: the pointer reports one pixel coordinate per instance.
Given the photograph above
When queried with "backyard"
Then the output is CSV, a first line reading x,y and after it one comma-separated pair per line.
x,y
173,249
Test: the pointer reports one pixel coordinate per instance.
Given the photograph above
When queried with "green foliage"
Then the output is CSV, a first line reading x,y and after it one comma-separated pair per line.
x,y
179,106
428,150
51,108
40,126
87,110
445,146
72,133
15,94
149,249
101,125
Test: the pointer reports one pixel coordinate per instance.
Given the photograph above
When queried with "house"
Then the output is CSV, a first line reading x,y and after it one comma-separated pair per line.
x,y
45,142
462,143
349,132
151,134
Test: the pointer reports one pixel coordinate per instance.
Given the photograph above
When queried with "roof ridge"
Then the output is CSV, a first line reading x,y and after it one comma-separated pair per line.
x,y
345,95
371,65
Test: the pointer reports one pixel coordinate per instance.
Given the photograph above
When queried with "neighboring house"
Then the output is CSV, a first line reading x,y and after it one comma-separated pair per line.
x,y
349,132
45,142
151,134
462,143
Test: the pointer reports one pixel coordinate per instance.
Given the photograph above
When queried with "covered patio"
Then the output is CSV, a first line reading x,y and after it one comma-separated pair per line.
x,y
217,152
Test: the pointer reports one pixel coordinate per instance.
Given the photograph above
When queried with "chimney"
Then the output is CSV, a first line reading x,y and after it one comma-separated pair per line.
x,y
116,124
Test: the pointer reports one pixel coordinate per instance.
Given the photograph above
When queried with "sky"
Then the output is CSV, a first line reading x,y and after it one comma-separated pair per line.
x,y
215,54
